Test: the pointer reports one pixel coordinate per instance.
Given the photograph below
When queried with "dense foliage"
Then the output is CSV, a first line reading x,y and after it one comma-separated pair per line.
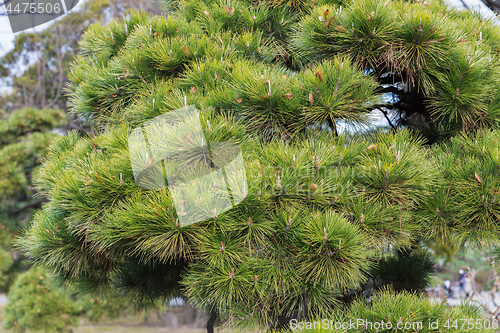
x,y
413,313
280,80
24,137
33,306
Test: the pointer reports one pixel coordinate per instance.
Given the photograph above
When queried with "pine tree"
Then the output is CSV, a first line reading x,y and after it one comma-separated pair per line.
x,y
316,208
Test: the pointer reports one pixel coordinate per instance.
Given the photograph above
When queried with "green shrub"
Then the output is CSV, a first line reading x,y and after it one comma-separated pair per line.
x,y
34,306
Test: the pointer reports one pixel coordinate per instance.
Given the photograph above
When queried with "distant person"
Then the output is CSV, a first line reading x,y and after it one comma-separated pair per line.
x,y
447,288
461,276
467,286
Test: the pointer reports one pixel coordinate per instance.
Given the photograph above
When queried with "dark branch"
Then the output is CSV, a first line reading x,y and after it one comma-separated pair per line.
x,y
384,112
35,204
211,322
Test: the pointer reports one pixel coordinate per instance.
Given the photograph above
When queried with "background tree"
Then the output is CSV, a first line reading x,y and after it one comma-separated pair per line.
x,y
280,80
24,138
35,70
34,113
33,306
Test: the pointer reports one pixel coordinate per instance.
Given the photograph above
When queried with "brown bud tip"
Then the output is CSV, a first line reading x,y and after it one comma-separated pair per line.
x,y
311,97
477,177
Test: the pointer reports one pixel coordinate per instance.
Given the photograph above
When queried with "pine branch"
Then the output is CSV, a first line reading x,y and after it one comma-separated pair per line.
x,y
36,204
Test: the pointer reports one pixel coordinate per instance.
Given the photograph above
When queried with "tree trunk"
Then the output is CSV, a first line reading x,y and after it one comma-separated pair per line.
x,y
333,126
211,322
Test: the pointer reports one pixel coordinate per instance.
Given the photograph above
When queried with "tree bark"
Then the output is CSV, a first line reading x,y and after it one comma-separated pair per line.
x,y
211,322
333,126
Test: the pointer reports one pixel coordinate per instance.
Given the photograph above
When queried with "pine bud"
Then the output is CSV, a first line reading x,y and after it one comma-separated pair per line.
x,y
231,275
288,226
260,169
222,247
230,11
478,178
319,76
245,192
